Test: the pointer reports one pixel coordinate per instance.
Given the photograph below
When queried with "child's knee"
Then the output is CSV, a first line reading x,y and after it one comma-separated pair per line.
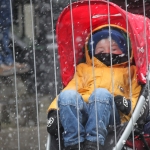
x,y
68,97
101,94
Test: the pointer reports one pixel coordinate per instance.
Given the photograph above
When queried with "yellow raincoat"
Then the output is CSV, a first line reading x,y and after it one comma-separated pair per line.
x,y
115,79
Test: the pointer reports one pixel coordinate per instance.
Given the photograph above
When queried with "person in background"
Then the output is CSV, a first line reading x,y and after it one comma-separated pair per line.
x,y
6,55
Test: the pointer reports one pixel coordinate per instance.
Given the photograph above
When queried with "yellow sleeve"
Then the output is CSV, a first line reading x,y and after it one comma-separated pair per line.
x,y
75,84
53,105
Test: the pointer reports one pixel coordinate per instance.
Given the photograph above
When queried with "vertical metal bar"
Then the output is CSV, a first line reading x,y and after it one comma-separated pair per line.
x,y
16,91
147,53
112,80
74,56
130,86
23,19
48,144
35,74
93,72
55,74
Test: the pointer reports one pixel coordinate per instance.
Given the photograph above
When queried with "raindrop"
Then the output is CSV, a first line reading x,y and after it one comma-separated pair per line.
x,y
10,135
78,39
111,141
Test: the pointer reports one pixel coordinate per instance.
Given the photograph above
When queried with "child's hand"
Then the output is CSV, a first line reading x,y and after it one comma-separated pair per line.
x,y
122,104
52,126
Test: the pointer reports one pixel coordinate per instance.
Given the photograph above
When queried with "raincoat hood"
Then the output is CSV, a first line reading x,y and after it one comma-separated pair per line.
x,y
91,47
73,28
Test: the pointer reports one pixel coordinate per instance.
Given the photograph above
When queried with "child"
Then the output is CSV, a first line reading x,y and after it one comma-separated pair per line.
x,y
100,90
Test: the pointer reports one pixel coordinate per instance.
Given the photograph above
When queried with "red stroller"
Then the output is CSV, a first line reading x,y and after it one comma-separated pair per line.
x,y
73,26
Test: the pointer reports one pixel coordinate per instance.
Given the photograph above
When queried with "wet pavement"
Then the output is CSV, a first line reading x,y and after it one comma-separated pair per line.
x,y
20,128
28,138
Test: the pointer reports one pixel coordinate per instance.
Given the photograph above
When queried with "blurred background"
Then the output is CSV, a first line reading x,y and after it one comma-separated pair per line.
x,y
24,98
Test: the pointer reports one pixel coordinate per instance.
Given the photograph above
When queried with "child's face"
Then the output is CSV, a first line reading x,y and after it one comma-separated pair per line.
x,y
103,46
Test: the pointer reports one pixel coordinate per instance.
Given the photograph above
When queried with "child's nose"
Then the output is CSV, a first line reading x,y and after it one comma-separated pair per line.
x,y
107,51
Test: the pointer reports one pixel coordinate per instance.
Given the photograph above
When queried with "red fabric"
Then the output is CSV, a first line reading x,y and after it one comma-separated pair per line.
x,y
73,27
138,143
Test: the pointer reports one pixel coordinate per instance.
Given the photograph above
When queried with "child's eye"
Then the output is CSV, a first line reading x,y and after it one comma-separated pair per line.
x,y
114,48
99,50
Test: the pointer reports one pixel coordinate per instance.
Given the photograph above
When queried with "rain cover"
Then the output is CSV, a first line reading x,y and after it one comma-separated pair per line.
x,y
78,19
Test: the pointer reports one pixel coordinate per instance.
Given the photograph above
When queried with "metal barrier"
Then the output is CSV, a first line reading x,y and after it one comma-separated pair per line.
x,y
32,41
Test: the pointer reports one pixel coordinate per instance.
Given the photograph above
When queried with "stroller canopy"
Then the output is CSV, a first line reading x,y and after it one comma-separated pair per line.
x,y
78,19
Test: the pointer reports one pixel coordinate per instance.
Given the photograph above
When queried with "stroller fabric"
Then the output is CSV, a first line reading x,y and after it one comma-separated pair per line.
x,y
69,41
